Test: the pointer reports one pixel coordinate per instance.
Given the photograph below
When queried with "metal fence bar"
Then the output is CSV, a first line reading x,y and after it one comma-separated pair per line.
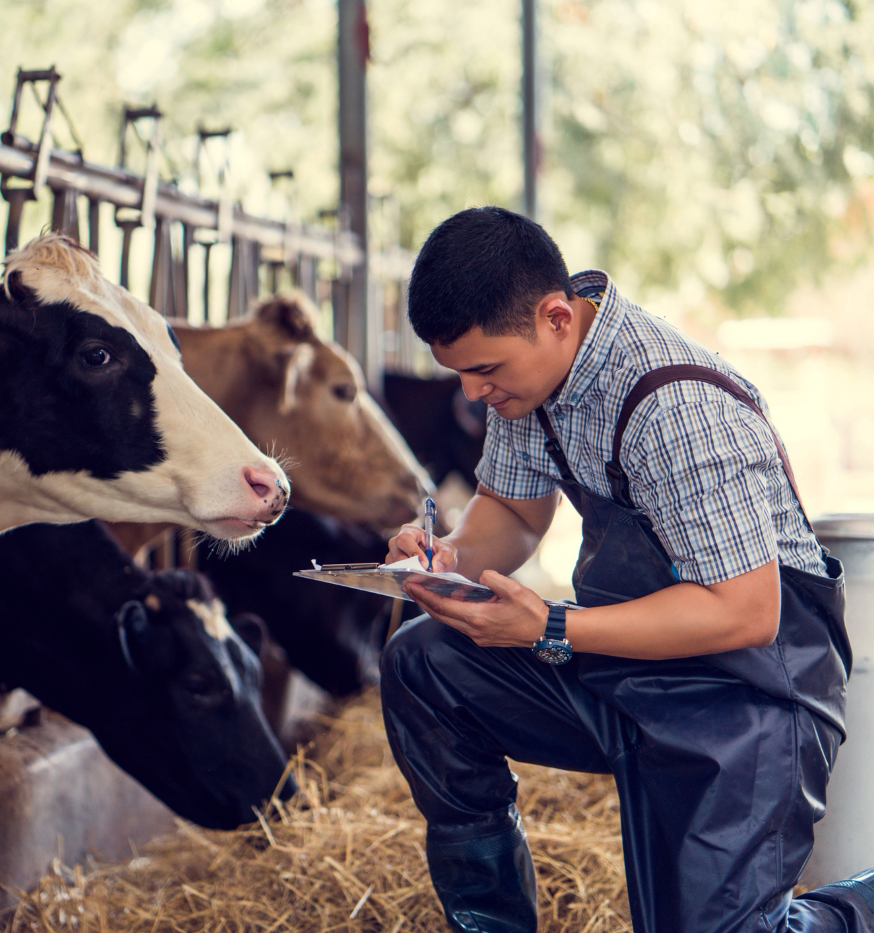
x,y
125,189
309,251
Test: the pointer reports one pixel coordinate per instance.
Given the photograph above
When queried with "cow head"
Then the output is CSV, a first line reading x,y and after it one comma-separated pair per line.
x,y
292,391
193,731
99,419
147,662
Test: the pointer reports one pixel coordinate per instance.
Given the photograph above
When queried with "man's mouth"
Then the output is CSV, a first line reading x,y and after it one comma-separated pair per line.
x,y
499,404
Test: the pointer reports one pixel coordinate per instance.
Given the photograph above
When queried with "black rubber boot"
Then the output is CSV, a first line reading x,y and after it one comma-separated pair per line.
x,y
483,874
842,907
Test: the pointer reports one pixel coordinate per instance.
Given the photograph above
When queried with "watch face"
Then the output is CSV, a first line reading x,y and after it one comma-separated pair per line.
x,y
552,651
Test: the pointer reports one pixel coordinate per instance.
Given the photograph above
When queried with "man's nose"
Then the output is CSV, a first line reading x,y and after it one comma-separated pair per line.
x,y
474,389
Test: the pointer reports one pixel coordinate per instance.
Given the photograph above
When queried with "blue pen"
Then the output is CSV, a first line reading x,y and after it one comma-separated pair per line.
x,y
430,518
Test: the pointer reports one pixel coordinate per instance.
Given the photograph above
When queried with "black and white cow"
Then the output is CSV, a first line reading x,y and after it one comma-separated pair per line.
x,y
98,418
147,662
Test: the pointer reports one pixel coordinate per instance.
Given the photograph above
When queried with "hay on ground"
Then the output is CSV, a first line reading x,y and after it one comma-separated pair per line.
x,y
348,857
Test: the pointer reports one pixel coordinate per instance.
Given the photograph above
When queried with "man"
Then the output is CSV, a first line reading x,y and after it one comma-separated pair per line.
x,y
707,672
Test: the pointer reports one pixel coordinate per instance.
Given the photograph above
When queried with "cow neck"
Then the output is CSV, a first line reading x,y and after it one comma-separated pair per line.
x,y
22,498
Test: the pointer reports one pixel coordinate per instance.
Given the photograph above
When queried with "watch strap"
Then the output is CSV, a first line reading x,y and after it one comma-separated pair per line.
x,y
556,622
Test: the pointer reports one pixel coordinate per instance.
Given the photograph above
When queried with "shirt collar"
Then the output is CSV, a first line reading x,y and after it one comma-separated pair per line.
x,y
595,348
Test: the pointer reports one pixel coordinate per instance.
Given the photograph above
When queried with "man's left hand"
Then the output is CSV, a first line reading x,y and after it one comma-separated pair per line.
x,y
514,618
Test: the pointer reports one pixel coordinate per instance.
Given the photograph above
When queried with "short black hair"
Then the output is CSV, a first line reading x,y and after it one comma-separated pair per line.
x,y
484,267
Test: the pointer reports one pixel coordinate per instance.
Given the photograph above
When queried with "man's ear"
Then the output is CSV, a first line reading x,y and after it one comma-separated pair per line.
x,y
558,314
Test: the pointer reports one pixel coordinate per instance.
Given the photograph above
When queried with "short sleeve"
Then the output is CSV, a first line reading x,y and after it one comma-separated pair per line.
x,y
504,468
702,471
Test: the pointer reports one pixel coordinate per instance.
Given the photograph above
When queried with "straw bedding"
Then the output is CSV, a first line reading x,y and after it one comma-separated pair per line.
x,y
349,856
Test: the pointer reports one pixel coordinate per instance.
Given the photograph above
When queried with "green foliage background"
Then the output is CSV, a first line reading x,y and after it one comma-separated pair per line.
x,y
720,148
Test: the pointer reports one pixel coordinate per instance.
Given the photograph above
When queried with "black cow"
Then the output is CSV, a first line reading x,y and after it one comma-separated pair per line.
x,y
330,633
444,430
147,662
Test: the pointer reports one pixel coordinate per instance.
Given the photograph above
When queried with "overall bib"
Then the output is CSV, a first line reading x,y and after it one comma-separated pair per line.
x,y
721,761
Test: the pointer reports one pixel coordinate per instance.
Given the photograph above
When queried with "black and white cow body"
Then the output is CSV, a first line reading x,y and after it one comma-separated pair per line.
x,y
98,418
147,662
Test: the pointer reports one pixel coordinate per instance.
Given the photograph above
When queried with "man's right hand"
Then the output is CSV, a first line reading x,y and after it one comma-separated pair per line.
x,y
410,542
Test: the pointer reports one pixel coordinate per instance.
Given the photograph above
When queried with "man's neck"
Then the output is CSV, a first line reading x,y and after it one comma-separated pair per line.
x,y
584,318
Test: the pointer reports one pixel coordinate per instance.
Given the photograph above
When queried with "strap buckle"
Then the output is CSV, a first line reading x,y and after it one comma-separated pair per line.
x,y
619,487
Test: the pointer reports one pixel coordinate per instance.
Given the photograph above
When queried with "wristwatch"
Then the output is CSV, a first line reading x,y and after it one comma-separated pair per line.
x,y
553,647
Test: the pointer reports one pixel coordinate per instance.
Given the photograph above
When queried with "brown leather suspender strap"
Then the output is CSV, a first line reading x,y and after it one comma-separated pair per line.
x,y
663,376
569,483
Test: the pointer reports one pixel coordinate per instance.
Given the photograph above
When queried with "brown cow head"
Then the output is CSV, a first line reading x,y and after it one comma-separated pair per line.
x,y
299,397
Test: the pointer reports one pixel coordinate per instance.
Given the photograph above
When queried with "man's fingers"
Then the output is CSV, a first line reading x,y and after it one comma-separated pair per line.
x,y
456,609
407,543
498,583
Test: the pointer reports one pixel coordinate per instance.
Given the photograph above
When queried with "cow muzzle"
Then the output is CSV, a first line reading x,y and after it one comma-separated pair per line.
x,y
272,491
262,497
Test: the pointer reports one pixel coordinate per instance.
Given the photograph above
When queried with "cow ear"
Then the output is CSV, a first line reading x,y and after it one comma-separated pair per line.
x,y
469,416
132,622
291,316
298,365
16,289
251,629
146,649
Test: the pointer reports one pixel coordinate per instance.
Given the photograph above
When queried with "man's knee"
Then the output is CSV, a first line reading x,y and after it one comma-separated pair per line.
x,y
405,645
412,652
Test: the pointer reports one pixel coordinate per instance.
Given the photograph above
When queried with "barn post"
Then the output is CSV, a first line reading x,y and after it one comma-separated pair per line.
x,y
353,53
94,225
65,211
530,115
181,272
17,196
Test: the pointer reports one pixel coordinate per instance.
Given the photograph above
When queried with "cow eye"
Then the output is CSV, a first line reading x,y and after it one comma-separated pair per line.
x,y
346,392
205,689
96,357
199,685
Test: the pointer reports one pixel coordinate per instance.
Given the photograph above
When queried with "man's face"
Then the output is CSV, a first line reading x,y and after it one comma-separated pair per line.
x,y
512,374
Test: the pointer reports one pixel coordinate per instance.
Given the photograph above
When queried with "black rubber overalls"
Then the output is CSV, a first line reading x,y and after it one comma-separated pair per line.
x,y
721,762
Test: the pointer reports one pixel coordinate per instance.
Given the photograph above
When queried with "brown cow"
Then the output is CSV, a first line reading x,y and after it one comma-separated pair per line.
x,y
296,395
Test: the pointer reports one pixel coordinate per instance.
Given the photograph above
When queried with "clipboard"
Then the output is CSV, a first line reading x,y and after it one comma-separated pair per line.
x,y
387,579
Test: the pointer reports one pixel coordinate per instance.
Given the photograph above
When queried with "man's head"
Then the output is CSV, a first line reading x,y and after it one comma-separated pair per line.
x,y
485,267
491,294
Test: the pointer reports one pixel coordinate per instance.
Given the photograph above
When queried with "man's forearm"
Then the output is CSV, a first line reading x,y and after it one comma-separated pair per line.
x,y
492,536
684,620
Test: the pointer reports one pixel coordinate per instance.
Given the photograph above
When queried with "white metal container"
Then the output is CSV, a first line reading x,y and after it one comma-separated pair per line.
x,y
845,836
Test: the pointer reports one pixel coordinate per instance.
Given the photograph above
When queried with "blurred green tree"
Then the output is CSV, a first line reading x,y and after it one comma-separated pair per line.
x,y
725,145
721,148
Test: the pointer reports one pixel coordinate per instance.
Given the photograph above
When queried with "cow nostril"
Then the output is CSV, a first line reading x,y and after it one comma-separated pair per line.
x,y
260,482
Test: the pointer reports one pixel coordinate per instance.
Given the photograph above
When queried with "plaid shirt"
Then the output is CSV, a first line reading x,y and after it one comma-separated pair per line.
x,y
701,465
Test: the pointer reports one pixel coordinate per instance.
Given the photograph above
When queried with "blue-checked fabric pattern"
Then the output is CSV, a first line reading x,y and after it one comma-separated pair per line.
x,y
701,465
